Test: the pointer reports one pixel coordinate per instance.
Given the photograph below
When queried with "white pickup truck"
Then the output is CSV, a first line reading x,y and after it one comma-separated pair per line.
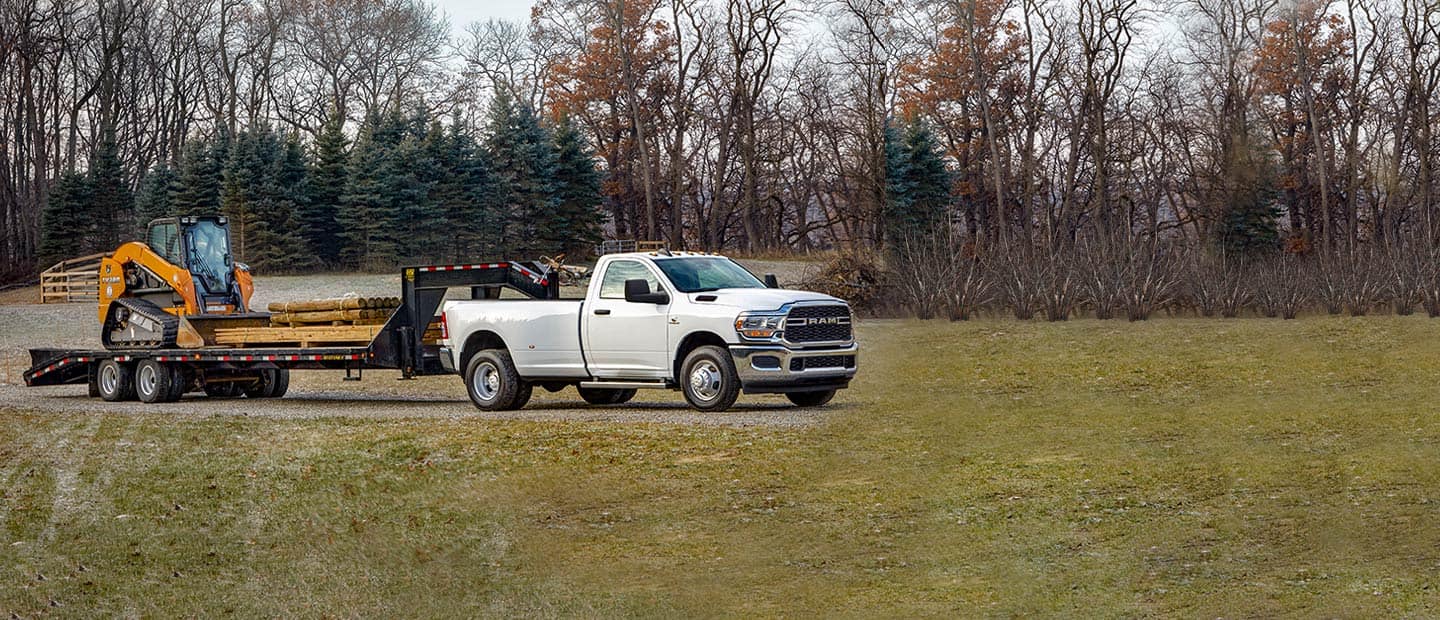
x,y
697,322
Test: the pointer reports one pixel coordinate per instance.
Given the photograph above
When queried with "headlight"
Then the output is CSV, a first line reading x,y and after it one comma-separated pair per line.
x,y
759,326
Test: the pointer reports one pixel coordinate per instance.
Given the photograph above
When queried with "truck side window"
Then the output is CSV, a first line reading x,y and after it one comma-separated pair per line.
x,y
613,286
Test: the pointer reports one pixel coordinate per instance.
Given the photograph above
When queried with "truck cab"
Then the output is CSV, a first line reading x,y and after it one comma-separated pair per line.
x,y
700,323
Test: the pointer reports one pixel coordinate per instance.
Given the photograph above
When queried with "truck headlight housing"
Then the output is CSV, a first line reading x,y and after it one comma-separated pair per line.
x,y
760,325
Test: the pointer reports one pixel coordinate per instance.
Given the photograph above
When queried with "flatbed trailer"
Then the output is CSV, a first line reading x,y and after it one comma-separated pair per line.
x,y
264,371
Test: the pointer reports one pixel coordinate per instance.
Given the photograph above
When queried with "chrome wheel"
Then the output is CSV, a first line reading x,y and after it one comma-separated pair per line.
x,y
147,380
486,381
705,380
109,379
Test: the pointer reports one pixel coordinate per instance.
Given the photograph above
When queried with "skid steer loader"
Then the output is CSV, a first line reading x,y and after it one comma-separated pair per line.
x,y
175,288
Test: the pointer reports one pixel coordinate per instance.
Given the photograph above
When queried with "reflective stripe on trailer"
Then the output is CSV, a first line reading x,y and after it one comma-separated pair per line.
x,y
61,364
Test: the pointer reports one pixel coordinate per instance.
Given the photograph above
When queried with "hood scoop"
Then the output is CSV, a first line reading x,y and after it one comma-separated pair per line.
x,y
705,298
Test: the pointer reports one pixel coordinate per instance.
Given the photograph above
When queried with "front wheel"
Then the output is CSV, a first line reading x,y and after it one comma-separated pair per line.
x,y
811,399
709,380
493,383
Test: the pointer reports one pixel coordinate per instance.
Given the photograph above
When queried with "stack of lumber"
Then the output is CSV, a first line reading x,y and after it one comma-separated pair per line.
x,y
334,312
348,321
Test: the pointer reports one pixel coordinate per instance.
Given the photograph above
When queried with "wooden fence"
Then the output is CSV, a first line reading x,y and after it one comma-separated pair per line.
x,y
76,279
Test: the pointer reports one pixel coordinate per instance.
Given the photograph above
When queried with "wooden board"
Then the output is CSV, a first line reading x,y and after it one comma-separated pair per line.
x,y
302,336
307,336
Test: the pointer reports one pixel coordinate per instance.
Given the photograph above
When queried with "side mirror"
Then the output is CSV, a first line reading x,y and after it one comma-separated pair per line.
x,y
638,291
771,281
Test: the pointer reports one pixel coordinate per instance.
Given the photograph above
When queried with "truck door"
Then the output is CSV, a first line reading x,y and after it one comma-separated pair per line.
x,y
626,339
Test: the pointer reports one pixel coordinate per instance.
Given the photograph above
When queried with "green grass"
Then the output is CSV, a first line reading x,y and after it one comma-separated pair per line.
x,y
1176,467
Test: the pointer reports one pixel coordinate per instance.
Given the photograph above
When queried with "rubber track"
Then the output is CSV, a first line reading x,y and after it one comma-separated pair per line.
x,y
170,326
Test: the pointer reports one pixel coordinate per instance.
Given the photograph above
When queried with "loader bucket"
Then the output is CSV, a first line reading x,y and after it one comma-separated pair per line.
x,y
198,331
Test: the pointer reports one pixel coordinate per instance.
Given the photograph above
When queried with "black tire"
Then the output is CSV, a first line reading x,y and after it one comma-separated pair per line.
x,y
623,397
493,383
92,385
115,381
606,396
709,380
224,389
180,381
273,383
154,382
811,399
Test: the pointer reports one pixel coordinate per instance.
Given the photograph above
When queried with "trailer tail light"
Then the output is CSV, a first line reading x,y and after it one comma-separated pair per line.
x,y
444,329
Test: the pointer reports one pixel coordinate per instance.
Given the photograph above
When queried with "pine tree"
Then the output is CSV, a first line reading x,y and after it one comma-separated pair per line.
x,y
289,191
197,190
421,219
327,175
897,183
264,180
111,211
577,216
367,217
1248,225
465,194
929,182
63,230
917,183
523,160
154,199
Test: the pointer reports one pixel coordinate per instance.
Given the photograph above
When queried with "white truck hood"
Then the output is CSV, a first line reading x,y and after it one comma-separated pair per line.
x,y
760,299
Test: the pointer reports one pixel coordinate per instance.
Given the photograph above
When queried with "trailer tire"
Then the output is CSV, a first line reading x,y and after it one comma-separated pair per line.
x,y
155,382
811,399
273,383
493,383
709,380
180,379
115,381
224,389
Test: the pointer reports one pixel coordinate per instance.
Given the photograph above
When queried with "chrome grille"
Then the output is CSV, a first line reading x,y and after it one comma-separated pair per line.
x,y
829,323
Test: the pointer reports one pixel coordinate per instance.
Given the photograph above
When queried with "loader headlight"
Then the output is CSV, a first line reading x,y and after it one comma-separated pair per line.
x,y
759,326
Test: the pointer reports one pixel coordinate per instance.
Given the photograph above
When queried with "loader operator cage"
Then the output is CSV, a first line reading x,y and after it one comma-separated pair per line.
x,y
208,243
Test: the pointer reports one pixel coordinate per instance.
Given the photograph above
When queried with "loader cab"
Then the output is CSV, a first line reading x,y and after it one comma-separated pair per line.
x,y
201,245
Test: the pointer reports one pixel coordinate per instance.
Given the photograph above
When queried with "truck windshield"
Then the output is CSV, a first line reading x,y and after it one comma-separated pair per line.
x,y
706,273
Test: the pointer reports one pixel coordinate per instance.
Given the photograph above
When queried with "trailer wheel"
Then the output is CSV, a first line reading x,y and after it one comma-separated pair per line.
x,y
224,389
811,399
493,383
709,380
155,382
115,381
273,383
606,396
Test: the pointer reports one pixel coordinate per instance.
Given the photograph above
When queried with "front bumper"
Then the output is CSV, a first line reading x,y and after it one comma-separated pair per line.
x,y
773,369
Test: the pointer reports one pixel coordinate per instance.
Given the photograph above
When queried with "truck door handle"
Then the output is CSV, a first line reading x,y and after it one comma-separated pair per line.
x,y
602,311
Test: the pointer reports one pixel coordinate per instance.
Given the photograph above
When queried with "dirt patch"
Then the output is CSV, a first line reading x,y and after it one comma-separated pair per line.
x,y
20,295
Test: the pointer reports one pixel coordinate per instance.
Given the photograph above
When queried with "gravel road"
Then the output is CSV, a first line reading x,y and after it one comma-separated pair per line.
x,y
318,394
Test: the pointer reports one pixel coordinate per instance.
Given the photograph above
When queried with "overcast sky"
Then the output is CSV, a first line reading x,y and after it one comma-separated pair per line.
x,y
462,12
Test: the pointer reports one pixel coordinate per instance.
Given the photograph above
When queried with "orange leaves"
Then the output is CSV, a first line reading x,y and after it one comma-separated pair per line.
x,y
975,51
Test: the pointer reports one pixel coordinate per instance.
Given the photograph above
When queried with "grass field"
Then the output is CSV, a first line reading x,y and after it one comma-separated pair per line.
x,y
1176,467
